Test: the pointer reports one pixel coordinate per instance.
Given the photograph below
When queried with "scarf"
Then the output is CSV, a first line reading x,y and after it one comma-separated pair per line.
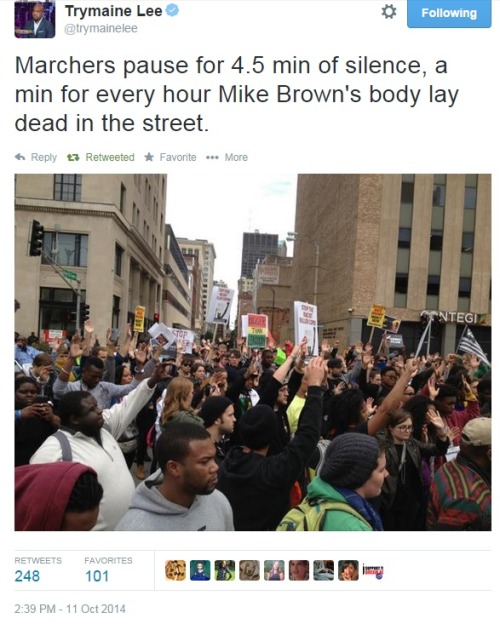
x,y
362,506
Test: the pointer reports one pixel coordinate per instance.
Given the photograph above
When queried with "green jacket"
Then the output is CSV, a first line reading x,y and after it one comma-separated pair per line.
x,y
336,520
185,416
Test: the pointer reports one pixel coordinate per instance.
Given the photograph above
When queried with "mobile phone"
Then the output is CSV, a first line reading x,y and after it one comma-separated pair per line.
x,y
115,332
41,398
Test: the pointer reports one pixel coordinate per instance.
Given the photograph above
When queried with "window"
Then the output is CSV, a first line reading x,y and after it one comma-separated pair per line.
x,y
467,242
66,249
67,187
401,283
123,198
433,285
404,238
470,192
118,260
436,240
439,190
407,188
115,320
401,290
464,285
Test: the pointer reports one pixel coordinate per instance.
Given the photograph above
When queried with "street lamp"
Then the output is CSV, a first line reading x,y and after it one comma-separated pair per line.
x,y
294,236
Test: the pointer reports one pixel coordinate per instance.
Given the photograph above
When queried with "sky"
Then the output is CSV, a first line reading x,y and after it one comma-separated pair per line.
x,y
219,208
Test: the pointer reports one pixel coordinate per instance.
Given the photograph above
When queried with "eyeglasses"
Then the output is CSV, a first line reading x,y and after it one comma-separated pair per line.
x,y
404,428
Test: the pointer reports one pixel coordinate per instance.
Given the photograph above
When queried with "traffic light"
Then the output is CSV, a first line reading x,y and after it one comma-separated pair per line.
x,y
156,317
36,242
84,312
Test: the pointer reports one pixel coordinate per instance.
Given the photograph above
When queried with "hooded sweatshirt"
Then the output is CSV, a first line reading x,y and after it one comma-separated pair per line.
x,y
336,520
151,511
258,487
43,492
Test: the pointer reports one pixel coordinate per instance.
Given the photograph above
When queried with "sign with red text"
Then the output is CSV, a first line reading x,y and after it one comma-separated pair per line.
x,y
256,331
376,316
306,325
184,337
139,315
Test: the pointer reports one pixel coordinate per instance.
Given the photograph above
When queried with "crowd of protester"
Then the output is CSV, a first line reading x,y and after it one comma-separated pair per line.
x,y
130,437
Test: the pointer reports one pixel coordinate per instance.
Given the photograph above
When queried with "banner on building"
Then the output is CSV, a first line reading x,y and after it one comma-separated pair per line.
x,y
256,331
220,305
268,274
306,325
376,316
139,315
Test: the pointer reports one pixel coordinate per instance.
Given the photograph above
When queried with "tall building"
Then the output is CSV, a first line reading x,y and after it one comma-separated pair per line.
x,y
205,254
255,248
416,243
105,233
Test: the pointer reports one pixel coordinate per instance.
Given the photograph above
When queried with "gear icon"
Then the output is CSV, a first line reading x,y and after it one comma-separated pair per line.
x,y
389,11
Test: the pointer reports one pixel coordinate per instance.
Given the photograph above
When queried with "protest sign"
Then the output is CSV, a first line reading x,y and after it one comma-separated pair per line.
x,y
257,331
306,325
220,305
140,313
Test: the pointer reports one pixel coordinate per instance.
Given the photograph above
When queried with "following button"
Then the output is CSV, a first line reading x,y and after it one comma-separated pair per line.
x,y
449,13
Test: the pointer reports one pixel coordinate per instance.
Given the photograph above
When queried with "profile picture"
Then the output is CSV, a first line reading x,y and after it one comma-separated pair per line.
x,y
348,570
249,570
298,570
274,570
175,570
199,570
224,570
324,570
34,20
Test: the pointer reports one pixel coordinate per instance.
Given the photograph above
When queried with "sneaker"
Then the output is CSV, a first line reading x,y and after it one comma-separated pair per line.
x,y
139,473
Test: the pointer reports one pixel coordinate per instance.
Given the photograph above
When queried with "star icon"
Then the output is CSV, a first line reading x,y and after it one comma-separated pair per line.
x,y
149,157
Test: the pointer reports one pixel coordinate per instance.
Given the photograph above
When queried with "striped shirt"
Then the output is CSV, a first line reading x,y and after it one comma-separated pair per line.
x,y
460,498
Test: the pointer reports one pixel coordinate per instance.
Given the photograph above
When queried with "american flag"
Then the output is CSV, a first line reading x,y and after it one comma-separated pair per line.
x,y
469,344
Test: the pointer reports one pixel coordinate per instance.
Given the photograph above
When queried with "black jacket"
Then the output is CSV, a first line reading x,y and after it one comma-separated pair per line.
x,y
258,487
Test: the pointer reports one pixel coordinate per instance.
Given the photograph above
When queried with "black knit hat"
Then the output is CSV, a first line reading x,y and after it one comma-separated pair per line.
x,y
213,408
350,459
258,427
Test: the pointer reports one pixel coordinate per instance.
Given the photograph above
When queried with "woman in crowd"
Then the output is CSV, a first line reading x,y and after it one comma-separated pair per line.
x,y
177,403
350,412
403,492
34,419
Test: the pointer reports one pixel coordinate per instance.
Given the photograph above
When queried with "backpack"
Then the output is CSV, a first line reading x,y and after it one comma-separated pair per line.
x,y
310,515
67,453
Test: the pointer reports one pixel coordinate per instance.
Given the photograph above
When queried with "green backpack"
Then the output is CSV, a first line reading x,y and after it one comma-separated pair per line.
x,y
310,515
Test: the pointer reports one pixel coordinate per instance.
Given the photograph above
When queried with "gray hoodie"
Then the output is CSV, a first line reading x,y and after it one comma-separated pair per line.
x,y
151,511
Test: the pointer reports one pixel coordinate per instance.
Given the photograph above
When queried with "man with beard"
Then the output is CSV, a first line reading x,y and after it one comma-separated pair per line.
x,y
181,495
89,435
